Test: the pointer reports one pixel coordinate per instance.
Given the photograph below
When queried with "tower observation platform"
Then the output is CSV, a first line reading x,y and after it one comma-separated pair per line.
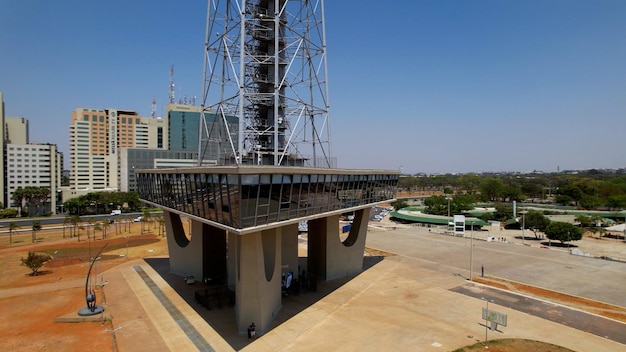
x,y
244,225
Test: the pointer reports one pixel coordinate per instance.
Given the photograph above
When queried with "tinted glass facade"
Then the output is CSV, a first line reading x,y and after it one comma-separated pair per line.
x,y
247,199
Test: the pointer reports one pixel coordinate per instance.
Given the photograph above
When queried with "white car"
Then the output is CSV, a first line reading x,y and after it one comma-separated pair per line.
x,y
138,219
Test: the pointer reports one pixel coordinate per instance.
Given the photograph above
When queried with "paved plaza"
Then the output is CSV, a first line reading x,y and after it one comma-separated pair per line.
x,y
412,300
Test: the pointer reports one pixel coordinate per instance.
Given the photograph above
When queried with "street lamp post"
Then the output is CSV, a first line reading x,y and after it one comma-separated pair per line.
x,y
523,225
471,252
486,319
55,266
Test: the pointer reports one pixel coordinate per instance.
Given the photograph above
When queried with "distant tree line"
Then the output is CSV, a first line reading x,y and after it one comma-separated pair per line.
x,y
591,189
102,203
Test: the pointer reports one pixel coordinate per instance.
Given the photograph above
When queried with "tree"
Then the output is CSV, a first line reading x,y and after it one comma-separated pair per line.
x,y
34,261
491,188
563,232
98,227
399,204
36,228
91,222
12,227
146,219
161,220
469,182
66,222
75,220
437,205
105,226
584,220
18,198
536,221
563,199
532,190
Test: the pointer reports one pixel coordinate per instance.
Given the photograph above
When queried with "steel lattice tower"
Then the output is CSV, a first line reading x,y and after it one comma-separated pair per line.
x,y
265,72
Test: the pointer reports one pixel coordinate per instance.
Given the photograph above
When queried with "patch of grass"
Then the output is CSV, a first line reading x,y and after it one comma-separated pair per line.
x,y
514,345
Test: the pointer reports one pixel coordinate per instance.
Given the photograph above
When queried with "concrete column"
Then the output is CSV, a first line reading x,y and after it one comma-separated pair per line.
x,y
328,257
185,257
204,255
258,279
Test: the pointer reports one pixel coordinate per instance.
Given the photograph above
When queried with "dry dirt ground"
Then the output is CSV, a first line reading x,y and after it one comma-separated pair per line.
x,y
29,304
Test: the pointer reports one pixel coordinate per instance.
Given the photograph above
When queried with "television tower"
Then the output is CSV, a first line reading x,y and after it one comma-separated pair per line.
x,y
265,68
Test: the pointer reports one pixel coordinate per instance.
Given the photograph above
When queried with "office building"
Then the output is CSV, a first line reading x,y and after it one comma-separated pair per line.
x,y
96,136
183,124
2,137
25,164
131,159
34,165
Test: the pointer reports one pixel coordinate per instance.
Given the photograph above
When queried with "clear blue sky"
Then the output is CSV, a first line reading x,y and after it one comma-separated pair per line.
x,y
433,86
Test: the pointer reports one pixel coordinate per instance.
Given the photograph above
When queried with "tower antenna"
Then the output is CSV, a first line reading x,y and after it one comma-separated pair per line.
x,y
172,99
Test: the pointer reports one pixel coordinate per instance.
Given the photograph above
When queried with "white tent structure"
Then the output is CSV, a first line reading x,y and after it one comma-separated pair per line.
x,y
616,228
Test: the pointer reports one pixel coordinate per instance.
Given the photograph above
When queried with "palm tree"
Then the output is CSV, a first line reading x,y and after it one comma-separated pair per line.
x,y
147,217
12,227
75,220
161,220
104,225
36,228
66,222
91,221
97,227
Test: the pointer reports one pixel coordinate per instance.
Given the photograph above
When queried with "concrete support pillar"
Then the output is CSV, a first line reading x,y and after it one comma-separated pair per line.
x,y
258,279
185,257
328,257
203,254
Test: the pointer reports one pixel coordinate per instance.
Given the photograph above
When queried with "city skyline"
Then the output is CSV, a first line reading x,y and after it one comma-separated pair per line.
x,y
433,87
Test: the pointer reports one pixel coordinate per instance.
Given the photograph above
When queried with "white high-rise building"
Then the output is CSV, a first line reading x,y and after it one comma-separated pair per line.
x,y
25,164
2,137
96,136
37,165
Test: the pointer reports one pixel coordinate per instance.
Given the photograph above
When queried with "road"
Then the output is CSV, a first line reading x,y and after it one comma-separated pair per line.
x,y
26,223
556,270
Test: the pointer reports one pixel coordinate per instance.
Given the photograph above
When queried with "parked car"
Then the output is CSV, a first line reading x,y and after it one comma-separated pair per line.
x,y
116,212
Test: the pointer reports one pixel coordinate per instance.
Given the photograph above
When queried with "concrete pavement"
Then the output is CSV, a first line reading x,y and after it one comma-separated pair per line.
x,y
401,302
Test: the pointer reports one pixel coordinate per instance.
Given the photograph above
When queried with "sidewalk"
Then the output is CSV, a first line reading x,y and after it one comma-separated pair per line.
x,y
394,305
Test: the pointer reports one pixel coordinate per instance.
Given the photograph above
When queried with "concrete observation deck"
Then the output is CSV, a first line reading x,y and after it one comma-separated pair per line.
x,y
244,226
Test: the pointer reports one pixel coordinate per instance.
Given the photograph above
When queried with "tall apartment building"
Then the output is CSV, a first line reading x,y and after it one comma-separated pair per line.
x,y
96,136
26,164
17,130
34,165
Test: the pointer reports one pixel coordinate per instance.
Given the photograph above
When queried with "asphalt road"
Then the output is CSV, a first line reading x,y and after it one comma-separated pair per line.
x,y
26,223
556,270
576,319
